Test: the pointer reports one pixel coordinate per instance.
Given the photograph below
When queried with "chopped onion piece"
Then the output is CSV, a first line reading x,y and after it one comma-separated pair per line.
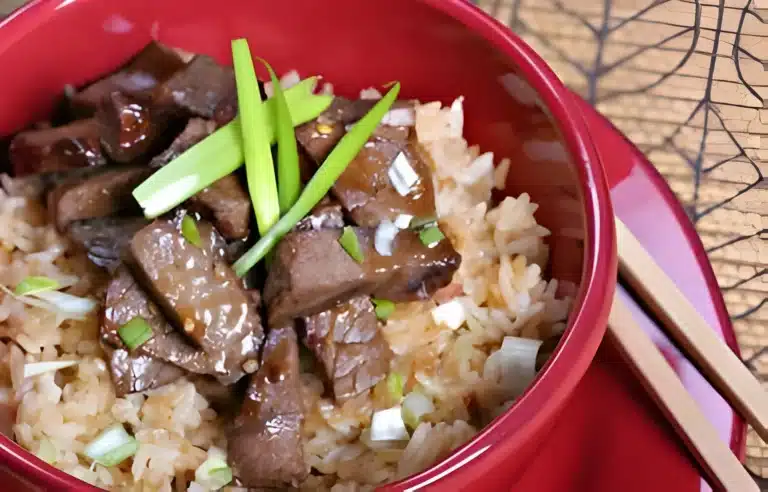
x,y
403,221
69,304
399,117
450,314
37,368
213,473
385,237
514,364
402,175
113,446
388,425
415,406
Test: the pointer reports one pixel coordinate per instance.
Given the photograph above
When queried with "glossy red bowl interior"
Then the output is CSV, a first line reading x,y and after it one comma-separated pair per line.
x,y
438,49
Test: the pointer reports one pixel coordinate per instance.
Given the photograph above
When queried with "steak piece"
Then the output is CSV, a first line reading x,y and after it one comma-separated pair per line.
x,y
264,444
311,272
346,339
196,130
137,373
56,149
326,215
200,87
105,239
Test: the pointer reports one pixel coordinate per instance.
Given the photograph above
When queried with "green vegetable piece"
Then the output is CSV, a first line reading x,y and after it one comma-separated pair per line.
x,y
384,308
419,222
220,476
34,284
190,232
395,385
351,244
257,150
119,454
288,176
335,164
135,333
192,171
431,236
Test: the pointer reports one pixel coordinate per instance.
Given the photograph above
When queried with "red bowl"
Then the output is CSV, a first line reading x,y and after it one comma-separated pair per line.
x,y
439,49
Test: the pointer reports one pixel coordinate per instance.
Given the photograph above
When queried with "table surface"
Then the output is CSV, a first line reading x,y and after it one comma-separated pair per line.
x,y
686,81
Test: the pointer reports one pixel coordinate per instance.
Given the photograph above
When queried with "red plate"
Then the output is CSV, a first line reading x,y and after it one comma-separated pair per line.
x,y
611,437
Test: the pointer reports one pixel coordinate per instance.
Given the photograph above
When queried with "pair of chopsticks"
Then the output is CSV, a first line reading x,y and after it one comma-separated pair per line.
x,y
717,362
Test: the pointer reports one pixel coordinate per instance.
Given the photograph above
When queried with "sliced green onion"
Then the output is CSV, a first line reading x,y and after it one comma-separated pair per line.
x,y
351,244
213,473
395,385
384,308
288,179
46,451
257,150
36,368
419,222
135,333
34,284
335,164
431,236
113,446
192,171
190,232
415,406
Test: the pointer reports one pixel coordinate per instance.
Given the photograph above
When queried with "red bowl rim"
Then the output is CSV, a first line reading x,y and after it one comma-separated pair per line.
x,y
587,322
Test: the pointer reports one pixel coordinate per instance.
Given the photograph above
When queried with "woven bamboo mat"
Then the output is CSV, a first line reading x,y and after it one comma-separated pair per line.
x,y
687,81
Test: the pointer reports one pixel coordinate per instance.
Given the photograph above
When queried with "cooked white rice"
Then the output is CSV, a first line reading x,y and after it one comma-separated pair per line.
x,y
499,288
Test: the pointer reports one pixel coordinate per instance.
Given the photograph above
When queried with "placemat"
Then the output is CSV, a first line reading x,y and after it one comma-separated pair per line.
x,y
686,80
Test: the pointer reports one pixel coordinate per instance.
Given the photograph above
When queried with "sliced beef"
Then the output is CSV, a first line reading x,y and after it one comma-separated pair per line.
x,y
107,193
311,272
200,87
56,149
201,295
320,136
131,128
124,301
346,339
105,239
264,444
35,186
326,215
150,67
227,204
196,130
136,373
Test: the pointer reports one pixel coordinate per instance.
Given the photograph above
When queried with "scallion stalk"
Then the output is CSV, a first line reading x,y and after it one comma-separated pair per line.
x,y
257,150
351,244
35,284
192,171
113,446
335,164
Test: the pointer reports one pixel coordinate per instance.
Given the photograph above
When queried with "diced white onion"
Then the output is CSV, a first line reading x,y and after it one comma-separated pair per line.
x,y
399,117
67,303
385,237
388,425
37,368
450,314
415,406
402,175
481,167
403,221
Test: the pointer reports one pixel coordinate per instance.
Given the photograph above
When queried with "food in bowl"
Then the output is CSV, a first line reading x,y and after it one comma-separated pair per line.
x,y
176,320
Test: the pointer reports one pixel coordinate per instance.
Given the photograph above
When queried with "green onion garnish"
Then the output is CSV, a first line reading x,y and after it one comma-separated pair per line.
x,y
33,285
395,385
192,171
260,169
351,244
288,179
431,236
213,473
419,222
135,332
384,308
113,446
335,164
190,232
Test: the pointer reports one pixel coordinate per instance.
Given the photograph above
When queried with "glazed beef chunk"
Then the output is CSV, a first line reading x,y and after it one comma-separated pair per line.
x,y
200,87
149,68
347,341
196,130
101,195
326,215
105,239
264,444
65,147
200,293
140,372
311,272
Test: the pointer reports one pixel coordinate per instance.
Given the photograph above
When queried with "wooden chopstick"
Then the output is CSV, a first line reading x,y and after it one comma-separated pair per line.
x,y
662,382
680,319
